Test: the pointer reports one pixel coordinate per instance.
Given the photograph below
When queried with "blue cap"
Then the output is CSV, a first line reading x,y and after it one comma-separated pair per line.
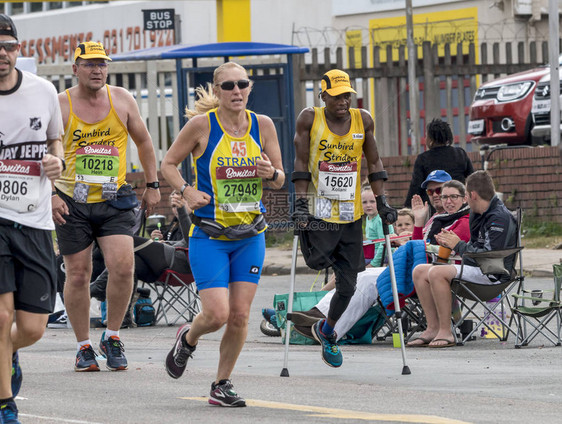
x,y
437,176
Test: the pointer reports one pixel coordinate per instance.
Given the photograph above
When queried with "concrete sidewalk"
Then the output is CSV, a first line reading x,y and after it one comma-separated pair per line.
x,y
536,262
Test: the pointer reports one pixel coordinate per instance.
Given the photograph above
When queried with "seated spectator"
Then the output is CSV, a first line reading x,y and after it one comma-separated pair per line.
x,y
492,227
153,258
404,226
441,155
369,285
174,231
373,224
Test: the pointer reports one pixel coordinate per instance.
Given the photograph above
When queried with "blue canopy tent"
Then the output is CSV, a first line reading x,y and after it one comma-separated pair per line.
x,y
271,95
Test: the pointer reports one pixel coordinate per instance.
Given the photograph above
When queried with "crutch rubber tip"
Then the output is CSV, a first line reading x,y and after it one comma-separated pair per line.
x,y
284,372
406,370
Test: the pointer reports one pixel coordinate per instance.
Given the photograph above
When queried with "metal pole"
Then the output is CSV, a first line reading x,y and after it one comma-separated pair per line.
x,y
553,53
412,81
397,311
285,370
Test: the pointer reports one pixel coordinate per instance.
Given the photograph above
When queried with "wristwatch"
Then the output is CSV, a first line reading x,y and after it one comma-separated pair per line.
x,y
155,184
275,175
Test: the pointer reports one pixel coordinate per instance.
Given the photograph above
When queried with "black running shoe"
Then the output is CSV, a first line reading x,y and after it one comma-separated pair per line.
x,y
176,361
86,360
223,394
9,413
17,376
113,349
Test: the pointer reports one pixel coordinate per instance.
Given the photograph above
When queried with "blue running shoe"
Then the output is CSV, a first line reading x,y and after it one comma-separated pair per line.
x,y
9,413
113,350
86,360
17,376
331,353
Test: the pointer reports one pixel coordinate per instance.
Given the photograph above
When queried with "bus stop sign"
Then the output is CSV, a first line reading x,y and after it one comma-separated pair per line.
x,y
158,19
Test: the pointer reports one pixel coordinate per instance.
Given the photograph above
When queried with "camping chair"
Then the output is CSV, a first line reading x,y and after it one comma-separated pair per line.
x,y
176,296
413,320
473,297
542,311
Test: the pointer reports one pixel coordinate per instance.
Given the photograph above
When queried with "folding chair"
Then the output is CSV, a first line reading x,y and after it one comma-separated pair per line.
x,y
474,297
542,311
176,296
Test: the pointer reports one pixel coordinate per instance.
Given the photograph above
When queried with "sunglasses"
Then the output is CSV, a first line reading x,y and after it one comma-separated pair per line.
x,y
9,46
451,196
91,66
229,85
431,191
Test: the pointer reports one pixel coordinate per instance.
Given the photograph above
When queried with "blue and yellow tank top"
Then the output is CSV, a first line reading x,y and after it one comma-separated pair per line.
x,y
95,155
227,171
335,165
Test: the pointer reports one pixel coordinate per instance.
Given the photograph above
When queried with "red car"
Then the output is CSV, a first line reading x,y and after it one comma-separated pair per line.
x,y
501,110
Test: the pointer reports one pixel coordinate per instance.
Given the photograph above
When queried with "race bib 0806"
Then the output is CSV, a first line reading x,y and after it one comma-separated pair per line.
x,y
19,184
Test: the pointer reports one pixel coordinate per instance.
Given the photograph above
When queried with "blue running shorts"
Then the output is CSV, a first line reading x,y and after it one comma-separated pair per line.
x,y
216,263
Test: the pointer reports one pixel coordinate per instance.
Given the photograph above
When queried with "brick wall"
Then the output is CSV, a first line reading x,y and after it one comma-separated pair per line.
x,y
529,178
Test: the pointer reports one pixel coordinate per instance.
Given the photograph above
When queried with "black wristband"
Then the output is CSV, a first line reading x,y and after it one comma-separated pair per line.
x,y
275,175
63,163
375,176
154,184
53,193
299,175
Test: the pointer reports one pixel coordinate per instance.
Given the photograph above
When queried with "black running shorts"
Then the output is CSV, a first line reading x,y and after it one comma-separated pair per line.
x,y
88,221
27,267
339,246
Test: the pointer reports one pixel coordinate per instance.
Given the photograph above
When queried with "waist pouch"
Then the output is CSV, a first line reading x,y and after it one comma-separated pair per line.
x,y
235,232
126,198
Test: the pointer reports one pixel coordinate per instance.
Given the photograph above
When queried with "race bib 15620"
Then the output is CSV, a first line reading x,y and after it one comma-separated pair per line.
x,y
337,180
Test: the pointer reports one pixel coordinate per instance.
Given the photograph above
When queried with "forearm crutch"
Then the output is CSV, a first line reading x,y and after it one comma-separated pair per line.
x,y
285,370
397,311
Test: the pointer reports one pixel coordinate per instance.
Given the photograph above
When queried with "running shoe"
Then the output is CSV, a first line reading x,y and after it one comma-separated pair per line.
x,y
176,361
17,376
86,360
331,353
113,350
60,322
223,394
9,413
306,317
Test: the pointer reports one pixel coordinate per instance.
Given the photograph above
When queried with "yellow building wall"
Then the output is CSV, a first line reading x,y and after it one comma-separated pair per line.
x,y
449,26
234,20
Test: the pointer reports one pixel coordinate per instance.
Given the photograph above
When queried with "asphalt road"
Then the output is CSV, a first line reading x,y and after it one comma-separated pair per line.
x,y
485,381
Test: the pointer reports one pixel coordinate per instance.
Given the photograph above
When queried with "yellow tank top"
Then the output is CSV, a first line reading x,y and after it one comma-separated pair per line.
x,y
95,155
227,171
335,165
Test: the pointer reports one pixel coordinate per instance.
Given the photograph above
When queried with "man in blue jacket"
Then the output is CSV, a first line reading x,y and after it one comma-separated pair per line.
x,y
492,227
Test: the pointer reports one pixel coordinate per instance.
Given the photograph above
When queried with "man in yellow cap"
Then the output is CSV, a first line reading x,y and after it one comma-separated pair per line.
x,y
329,144
93,202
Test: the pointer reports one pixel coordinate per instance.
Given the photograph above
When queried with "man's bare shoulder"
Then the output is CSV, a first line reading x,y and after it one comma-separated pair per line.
x,y
306,116
119,93
366,117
